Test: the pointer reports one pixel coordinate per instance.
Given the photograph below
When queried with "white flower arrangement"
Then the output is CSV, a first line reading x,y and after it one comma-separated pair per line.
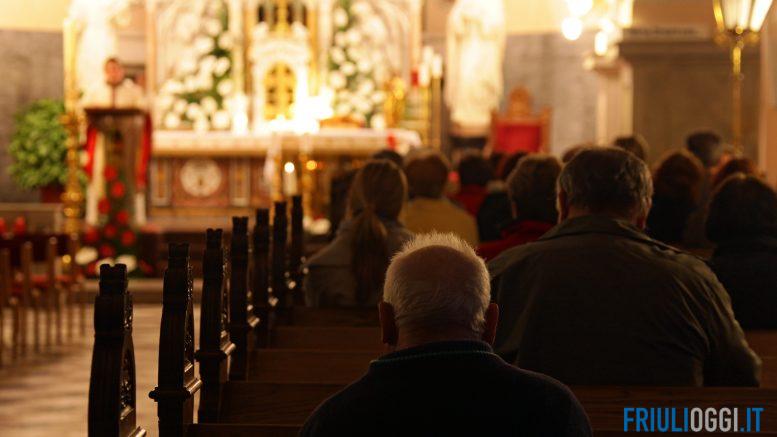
x,y
352,68
197,95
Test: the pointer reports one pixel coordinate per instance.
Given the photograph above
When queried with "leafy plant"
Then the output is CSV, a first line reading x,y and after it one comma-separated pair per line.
x,y
38,147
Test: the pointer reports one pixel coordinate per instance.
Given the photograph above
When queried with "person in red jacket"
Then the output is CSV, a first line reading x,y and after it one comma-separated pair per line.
x,y
532,190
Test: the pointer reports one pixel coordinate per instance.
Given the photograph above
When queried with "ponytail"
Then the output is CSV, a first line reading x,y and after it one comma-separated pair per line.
x,y
369,255
378,193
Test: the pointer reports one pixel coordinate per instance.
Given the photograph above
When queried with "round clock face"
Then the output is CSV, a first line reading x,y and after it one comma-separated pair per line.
x,y
200,177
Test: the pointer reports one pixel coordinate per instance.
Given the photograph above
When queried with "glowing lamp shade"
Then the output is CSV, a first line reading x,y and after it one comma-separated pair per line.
x,y
572,28
741,16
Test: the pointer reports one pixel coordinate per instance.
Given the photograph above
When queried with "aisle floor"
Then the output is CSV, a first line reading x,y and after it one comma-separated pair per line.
x,y
48,394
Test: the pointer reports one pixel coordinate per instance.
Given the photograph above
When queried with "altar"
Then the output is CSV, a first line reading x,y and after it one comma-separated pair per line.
x,y
210,174
257,100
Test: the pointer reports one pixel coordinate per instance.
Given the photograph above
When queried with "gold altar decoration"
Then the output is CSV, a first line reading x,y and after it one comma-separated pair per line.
x,y
73,196
739,24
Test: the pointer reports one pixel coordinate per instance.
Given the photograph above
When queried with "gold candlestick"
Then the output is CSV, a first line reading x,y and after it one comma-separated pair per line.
x,y
73,197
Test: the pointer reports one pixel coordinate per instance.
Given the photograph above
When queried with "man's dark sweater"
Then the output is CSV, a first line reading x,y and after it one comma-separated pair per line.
x,y
449,388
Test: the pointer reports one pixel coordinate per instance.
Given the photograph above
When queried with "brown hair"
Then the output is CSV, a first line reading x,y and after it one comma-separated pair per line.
x,y
532,188
734,166
427,174
679,175
378,192
743,206
635,144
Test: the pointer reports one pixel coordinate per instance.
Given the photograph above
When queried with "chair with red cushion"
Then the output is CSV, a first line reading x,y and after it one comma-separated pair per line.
x,y
520,129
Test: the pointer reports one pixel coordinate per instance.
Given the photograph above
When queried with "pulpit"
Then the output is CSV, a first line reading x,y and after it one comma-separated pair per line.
x,y
520,128
118,146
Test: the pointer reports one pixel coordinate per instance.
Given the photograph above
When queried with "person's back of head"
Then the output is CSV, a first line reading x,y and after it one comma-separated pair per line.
x,y
742,207
474,169
378,193
635,144
437,289
508,164
605,181
390,155
427,174
572,151
532,188
707,146
736,165
679,175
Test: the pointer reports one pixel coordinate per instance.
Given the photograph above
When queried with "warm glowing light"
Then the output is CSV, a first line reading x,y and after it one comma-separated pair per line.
x,y
289,167
572,28
311,165
601,43
578,8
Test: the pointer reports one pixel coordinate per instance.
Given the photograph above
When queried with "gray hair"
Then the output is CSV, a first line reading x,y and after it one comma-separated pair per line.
x,y
607,180
437,280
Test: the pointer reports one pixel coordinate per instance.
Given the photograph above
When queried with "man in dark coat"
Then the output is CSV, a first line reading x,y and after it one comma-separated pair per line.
x,y
597,302
443,378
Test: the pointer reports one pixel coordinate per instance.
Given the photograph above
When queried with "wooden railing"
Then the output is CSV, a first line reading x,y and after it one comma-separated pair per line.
x,y
215,346
112,384
177,381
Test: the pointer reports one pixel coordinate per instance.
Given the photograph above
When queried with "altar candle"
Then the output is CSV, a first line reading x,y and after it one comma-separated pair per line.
x,y
423,76
437,67
69,60
289,179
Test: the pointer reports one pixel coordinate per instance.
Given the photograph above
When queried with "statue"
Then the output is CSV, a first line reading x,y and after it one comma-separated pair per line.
x,y
475,55
97,20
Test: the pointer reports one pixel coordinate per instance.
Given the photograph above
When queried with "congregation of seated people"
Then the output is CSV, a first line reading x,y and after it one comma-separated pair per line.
x,y
594,278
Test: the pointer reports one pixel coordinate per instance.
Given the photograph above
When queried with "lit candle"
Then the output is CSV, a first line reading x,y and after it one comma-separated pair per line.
x,y
437,67
289,179
69,61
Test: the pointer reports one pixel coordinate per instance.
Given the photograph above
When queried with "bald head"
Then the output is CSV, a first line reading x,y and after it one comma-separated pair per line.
x,y
437,282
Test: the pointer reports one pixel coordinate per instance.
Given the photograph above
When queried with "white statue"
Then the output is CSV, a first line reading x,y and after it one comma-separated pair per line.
x,y
97,19
475,55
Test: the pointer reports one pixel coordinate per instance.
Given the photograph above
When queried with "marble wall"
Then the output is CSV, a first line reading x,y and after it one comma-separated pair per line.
x,y
31,70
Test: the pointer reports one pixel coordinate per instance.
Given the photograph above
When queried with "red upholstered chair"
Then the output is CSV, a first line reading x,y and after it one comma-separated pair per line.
x,y
520,129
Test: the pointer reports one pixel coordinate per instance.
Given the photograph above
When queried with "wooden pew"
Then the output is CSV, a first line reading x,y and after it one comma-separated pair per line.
x,y
279,269
242,320
347,317
309,366
297,251
764,343
215,346
112,384
261,274
177,381
327,338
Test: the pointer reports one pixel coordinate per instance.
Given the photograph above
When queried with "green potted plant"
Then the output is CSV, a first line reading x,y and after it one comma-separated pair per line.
x,y
38,149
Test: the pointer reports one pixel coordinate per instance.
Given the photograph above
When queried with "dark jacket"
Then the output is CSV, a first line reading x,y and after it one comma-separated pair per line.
x,y
597,302
446,389
748,270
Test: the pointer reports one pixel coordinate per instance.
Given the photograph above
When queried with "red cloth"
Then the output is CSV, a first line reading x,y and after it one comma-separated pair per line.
x,y
518,233
144,154
510,138
471,198
91,143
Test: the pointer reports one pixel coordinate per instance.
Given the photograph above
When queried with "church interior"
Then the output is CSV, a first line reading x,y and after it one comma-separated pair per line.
x,y
180,175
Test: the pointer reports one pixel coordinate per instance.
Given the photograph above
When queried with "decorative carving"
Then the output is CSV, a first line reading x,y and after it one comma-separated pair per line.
x,y
215,346
200,177
112,383
177,385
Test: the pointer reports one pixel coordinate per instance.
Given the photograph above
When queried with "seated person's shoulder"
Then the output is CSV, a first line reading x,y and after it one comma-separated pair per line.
x,y
517,255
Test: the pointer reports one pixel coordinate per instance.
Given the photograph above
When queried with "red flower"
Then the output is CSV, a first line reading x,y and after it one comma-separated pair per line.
x,y
20,226
104,206
118,190
109,231
91,269
122,217
91,235
128,238
106,251
146,267
110,173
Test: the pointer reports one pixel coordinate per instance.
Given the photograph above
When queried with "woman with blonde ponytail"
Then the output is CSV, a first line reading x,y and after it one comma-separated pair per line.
x,y
350,271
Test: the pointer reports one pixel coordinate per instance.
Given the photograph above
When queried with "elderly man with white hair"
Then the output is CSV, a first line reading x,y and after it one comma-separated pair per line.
x,y
442,377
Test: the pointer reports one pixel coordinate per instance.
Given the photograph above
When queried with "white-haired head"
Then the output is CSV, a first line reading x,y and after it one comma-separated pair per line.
x,y
438,281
